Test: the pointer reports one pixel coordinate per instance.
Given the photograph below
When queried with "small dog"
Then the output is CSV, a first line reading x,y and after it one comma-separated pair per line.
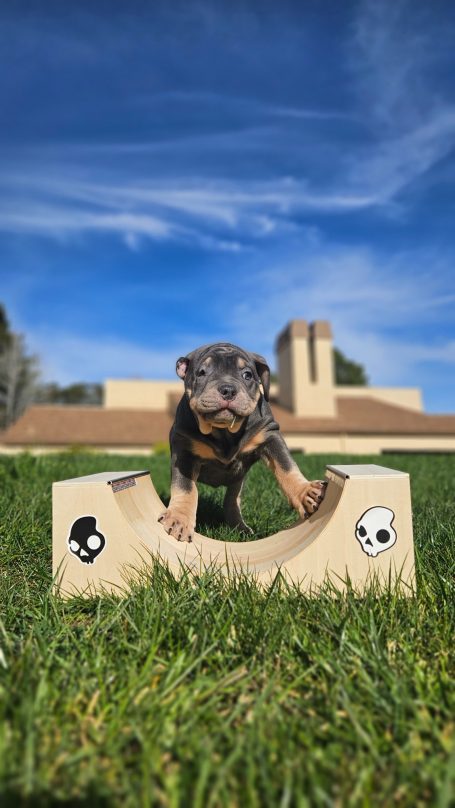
x,y
223,425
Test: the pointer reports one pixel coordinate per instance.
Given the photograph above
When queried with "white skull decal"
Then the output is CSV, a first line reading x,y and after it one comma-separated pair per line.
x,y
374,530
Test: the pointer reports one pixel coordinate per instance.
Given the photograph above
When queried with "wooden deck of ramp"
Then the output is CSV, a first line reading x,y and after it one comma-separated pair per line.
x,y
105,528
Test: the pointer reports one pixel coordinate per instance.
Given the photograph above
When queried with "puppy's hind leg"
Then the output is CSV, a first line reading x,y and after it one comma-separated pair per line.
x,y
231,507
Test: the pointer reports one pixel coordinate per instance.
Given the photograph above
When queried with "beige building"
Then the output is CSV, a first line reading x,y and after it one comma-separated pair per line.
x,y
314,413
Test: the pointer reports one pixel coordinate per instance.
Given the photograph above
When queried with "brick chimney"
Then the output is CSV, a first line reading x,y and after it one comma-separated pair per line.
x,y
305,369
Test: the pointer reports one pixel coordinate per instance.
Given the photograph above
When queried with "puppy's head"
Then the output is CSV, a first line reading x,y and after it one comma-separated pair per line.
x,y
222,382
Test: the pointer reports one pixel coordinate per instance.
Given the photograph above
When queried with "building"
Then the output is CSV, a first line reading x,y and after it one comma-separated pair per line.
x,y
314,413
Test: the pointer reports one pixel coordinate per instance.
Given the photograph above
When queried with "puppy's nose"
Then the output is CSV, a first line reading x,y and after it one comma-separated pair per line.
x,y
228,391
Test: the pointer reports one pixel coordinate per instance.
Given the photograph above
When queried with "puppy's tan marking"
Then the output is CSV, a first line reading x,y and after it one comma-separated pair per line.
x,y
241,362
202,450
256,440
203,425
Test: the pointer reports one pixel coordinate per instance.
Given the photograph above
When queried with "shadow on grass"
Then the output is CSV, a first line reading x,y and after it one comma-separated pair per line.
x,y
210,518
209,513
15,799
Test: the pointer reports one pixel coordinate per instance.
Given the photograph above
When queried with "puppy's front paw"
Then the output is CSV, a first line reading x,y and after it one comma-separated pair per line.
x,y
177,525
310,498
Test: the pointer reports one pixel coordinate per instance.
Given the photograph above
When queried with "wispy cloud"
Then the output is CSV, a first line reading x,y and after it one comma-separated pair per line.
x,y
244,107
216,215
61,199
398,161
59,221
393,52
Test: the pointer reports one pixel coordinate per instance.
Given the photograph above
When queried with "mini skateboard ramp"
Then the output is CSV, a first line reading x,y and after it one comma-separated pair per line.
x,y
105,527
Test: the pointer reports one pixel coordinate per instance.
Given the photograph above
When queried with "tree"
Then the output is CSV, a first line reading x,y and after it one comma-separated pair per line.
x,y
90,394
347,371
18,374
5,332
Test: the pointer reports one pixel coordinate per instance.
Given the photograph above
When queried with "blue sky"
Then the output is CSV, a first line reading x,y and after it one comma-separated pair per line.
x,y
177,173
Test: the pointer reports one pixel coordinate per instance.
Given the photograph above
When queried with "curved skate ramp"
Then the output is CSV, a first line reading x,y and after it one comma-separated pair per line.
x,y
105,527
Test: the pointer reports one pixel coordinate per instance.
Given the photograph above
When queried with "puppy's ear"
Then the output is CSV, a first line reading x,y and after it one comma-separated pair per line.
x,y
181,366
263,373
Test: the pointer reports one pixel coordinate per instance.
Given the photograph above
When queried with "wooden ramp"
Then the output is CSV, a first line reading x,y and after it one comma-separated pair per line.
x,y
105,528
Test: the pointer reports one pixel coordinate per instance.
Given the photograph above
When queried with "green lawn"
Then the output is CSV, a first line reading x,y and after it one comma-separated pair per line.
x,y
210,693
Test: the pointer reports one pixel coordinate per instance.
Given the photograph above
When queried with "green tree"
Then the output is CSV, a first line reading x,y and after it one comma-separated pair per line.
x,y
5,331
19,374
347,371
90,394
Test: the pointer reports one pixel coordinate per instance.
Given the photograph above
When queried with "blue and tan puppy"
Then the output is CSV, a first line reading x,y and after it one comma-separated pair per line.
x,y
223,425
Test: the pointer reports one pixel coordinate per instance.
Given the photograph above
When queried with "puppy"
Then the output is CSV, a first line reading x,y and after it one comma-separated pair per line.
x,y
223,425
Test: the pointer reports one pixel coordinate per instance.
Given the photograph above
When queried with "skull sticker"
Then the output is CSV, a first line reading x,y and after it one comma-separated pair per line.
x,y
374,530
85,541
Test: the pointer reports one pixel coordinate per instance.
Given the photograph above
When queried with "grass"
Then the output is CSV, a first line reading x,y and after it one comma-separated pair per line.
x,y
212,693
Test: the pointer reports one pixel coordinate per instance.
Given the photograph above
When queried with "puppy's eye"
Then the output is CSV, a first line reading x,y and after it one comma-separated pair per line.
x,y
201,372
247,375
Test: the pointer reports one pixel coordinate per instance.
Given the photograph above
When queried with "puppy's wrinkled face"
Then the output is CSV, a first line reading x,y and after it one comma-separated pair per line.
x,y
222,383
